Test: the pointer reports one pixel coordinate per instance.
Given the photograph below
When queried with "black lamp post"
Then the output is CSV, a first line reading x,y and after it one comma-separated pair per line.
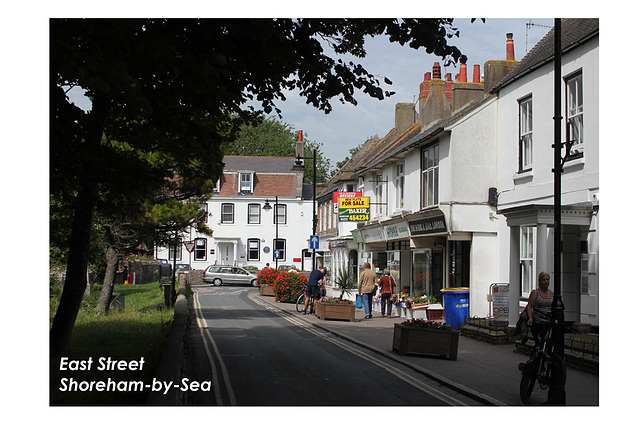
x,y
557,394
267,207
299,165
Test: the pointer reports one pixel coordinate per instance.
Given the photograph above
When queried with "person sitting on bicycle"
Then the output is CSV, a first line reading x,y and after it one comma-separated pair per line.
x,y
316,280
539,307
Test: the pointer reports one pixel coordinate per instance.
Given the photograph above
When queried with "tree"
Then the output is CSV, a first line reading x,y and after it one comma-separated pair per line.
x,y
174,90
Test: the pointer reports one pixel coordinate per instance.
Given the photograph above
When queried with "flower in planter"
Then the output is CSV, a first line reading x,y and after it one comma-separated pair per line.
x,y
289,285
422,323
335,300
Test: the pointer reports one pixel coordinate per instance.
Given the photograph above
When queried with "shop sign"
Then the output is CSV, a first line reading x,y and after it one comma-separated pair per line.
x,y
353,209
371,235
338,194
357,236
499,301
397,231
428,226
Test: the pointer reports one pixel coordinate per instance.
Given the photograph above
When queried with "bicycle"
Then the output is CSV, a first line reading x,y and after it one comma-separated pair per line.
x,y
300,302
543,370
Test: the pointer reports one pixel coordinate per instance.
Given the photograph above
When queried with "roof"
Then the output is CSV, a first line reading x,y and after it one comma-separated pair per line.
x,y
258,164
574,33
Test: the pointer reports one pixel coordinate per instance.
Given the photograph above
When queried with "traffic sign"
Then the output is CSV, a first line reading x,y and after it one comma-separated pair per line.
x,y
314,242
276,254
190,246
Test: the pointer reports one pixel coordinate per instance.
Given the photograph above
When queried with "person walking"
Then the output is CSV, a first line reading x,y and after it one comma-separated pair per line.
x,y
539,306
387,288
366,288
316,280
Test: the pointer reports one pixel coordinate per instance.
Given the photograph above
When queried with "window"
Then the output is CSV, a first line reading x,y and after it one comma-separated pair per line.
x,y
200,252
205,209
279,248
246,183
574,107
280,214
253,250
430,162
526,134
253,214
460,267
400,185
527,249
175,252
379,194
227,213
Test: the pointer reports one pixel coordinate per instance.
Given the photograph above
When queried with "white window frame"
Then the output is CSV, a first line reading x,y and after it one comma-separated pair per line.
x,y
280,213
527,265
223,207
574,107
400,185
245,182
255,251
200,249
430,176
525,134
254,217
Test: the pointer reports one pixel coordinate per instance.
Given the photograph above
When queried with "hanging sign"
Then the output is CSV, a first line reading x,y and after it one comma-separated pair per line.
x,y
338,194
353,209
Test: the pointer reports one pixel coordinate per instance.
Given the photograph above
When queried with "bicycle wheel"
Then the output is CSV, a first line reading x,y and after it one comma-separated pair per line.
x,y
300,304
537,379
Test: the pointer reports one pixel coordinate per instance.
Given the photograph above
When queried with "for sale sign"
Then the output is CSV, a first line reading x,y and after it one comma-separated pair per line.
x,y
353,209
338,194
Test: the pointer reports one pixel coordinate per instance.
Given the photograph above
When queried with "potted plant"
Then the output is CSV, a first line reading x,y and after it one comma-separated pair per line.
x,y
336,308
266,278
289,285
419,336
346,282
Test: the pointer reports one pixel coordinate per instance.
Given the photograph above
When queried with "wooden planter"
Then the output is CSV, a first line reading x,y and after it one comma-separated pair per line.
x,y
428,341
267,290
336,311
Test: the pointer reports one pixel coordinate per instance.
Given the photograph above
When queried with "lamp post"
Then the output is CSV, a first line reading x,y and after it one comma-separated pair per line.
x,y
299,165
267,208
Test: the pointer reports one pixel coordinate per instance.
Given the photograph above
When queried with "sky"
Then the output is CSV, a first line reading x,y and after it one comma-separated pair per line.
x,y
347,125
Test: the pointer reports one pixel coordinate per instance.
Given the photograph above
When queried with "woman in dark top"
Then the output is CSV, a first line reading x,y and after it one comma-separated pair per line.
x,y
539,306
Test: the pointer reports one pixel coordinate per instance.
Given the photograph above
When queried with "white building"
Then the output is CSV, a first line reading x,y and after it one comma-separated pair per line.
x,y
525,177
244,232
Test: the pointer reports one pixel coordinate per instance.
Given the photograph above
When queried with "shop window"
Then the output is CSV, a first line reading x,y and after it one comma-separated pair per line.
x,y
200,252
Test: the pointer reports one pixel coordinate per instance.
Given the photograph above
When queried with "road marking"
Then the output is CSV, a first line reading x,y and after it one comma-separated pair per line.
x,y
415,382
225,375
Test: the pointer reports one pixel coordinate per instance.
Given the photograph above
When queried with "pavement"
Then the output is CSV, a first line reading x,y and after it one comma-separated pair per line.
x,y
487,372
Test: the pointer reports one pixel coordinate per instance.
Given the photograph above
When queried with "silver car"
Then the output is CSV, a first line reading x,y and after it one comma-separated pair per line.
x,y
229,275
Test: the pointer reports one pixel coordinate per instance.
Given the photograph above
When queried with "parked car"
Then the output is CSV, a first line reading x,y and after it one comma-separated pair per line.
x,y
228,275
182,268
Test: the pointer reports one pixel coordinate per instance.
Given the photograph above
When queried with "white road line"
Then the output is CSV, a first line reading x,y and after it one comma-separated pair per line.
x,y
225,375
419,384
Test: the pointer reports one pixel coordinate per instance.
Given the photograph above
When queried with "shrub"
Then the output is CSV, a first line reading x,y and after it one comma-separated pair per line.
x,y
289,285
267,276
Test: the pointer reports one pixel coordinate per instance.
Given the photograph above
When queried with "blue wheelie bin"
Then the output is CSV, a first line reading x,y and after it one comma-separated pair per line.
x,y
456,306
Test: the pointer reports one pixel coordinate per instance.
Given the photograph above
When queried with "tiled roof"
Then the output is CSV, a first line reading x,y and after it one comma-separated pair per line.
x,y
574,32
258,164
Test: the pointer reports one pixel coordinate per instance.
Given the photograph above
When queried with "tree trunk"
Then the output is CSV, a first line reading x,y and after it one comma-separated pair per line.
x,y
76,279
111,255
78,257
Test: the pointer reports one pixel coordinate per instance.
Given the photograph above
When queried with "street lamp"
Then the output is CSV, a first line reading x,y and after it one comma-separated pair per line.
x,y
299,166
267,208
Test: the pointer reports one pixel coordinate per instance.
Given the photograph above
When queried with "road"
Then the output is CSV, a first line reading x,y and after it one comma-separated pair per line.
x,y
257,355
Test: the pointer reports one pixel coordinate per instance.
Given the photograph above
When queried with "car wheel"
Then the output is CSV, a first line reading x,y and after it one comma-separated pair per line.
x,y
254,282
217,281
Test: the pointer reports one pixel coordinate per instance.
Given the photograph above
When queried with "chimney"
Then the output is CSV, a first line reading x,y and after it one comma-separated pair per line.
x,y
476,73
405,117
299,173
494,71
299,145
510,53
464,92
435,97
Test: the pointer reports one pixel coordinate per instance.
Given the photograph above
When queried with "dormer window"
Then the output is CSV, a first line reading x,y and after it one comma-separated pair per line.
x,y
246,183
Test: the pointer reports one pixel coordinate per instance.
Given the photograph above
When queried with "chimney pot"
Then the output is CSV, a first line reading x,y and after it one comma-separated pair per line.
x,y
510,52
476,73
436,71
427,76
447,77
463,73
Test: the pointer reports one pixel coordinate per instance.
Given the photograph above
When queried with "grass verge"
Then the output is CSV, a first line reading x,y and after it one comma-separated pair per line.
x,y
137,333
